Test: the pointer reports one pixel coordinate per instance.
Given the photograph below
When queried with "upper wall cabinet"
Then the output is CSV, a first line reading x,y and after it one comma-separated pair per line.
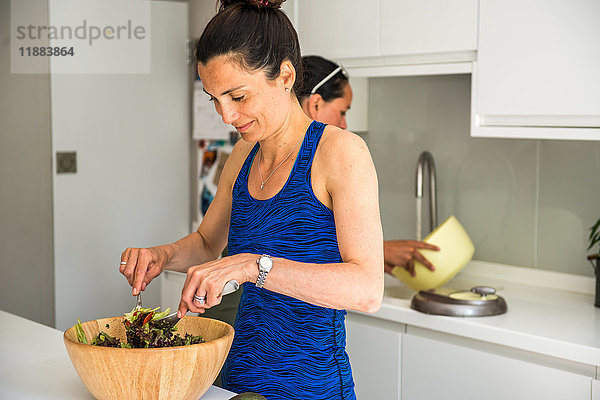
x,y
366,35
428,26
339,28
537,74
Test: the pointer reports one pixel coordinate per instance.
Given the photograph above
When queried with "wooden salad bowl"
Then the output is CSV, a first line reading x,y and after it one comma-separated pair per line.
x,y
183,372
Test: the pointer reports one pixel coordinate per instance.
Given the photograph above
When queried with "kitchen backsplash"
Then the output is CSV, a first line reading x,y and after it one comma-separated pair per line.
x,y
523,202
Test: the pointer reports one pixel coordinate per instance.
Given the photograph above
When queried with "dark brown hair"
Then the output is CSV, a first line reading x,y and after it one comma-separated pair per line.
x,y
256,33
316,68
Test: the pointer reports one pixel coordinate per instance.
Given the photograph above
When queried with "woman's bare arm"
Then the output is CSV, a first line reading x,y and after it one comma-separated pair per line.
x,y
342,164
206,244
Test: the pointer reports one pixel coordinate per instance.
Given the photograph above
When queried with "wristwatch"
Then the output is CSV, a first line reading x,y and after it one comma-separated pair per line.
x,y
265,263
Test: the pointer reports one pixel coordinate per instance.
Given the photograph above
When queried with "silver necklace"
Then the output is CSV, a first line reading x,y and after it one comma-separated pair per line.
x,y
262,185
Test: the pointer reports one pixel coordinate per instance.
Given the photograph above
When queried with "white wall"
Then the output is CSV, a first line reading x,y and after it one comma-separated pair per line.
x,y
201,11
524,202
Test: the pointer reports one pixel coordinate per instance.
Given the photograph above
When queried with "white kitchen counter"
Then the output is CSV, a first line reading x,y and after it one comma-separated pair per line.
x,y
35,364
548,313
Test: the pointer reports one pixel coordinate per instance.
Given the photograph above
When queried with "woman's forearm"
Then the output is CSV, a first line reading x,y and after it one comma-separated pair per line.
x,y
191,250
349,285
358,287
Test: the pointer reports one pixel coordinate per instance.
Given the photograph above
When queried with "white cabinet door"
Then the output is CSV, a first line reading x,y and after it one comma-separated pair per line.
x,y
339,28
595,389
538,64
373,346
435,366
428,26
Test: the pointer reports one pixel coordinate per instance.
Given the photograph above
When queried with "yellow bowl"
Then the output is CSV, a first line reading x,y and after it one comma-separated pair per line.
x,y
456,250
183,372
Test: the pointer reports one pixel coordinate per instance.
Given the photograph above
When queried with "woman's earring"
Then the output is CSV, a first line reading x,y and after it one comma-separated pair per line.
x,y
287,89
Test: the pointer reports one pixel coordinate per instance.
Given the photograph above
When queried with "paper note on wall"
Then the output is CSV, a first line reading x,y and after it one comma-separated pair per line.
x,y
207,123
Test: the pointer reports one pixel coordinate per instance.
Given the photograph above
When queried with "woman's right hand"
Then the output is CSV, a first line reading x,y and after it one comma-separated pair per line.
x,y
404,253
143,265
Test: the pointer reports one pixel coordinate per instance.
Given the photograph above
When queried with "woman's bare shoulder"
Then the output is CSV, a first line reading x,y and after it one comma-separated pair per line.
x,y
342,159
338,144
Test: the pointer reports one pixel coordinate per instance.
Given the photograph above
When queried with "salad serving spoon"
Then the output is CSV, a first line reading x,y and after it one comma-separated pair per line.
x,y
171,320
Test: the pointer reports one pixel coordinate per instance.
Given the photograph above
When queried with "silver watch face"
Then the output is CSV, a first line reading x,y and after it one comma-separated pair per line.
x,y
265,263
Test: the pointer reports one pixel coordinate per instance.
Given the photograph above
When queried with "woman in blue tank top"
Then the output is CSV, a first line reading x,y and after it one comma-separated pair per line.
x,y
296,204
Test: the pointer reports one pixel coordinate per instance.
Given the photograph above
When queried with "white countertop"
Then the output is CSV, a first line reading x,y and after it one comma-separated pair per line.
x,y
35,364
548,313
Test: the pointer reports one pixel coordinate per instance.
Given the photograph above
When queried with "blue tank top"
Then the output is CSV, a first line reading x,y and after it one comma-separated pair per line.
x,y
285,348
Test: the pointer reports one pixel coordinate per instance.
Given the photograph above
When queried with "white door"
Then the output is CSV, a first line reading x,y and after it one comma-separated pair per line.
x,y
131,188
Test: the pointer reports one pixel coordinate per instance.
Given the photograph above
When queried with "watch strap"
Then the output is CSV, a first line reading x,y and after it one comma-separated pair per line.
x,y
262,273
262,276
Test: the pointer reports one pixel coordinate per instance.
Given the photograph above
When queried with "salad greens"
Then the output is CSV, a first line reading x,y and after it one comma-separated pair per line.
x,y
143,329
80,333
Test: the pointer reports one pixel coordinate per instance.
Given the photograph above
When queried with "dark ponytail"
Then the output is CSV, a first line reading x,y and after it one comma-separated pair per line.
x,y
315,70
257,35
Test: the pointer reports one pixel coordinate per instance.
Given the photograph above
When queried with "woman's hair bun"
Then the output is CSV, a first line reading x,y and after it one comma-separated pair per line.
x,y
254,33
276,4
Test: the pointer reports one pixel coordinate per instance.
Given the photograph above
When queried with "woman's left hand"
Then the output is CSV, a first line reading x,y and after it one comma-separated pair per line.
x,y
208,280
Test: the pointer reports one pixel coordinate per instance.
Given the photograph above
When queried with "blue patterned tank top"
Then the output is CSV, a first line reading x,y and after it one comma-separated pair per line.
x,y
285,348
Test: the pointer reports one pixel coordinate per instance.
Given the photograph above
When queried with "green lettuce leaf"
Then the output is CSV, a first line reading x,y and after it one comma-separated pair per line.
x,y
80,333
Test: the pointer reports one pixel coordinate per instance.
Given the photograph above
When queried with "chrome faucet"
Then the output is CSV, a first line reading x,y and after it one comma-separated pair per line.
x,y
426,161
